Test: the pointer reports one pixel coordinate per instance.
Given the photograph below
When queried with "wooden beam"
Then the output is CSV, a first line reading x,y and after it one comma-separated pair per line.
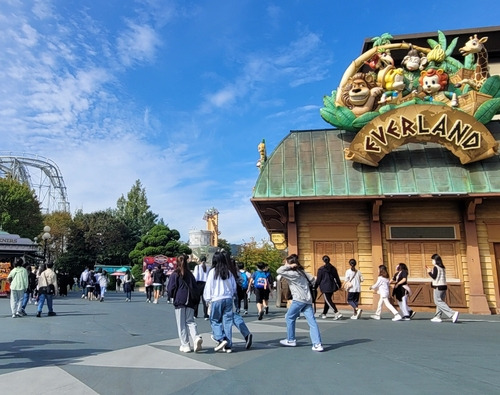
x,y
478,303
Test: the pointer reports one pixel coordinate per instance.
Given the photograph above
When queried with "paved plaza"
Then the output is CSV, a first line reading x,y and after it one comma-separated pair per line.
x,y
115,347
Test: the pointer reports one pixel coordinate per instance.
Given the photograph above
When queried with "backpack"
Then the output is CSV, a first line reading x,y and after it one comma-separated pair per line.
x,y
244,280
260,280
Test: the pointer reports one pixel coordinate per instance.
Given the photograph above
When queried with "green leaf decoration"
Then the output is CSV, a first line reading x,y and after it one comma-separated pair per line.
x,y
469,61
432,43
487,110
437,103
451,47
362,120
453,65
345,116
329,116
387,107
408,103
442,40
329,101
491,86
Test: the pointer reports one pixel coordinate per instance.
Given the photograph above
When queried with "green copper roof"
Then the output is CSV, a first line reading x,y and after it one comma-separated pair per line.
x,y
312,164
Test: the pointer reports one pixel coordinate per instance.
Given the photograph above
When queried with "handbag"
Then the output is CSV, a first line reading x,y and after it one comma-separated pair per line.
x,y
312,289
348,283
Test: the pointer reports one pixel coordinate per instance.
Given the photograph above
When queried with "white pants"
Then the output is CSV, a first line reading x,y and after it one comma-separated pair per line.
x,y
186,325
16,298
385,300
403,305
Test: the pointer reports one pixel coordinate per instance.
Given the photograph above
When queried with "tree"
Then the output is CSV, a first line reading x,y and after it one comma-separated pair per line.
x,y
99,238
160,240
19,209
252,253
223,244
134,210
59,222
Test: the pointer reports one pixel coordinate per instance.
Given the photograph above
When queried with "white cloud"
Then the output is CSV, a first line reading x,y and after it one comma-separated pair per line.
x,y
137,44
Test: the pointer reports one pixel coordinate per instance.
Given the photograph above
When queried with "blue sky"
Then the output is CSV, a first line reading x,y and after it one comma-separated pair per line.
x,y
178,94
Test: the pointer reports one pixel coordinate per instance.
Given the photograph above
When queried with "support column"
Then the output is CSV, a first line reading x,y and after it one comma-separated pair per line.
x,y
377,250
477,298
293,247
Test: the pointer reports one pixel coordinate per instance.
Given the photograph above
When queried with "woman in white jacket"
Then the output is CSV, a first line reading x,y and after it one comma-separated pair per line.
x,y
219,291
382,285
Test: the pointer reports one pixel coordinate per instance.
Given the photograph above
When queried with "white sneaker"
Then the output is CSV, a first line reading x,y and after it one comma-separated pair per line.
x,y
375,317
358,313
197,344
436,319
397,317
221,345
337,316
354,317
323,316
289,343
317,347
455,317
185,348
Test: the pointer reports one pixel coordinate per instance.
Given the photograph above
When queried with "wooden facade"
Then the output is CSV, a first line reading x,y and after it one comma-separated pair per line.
x,y
359,226
414,200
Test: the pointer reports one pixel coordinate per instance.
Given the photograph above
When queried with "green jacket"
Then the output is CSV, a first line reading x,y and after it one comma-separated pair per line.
x,y
19,276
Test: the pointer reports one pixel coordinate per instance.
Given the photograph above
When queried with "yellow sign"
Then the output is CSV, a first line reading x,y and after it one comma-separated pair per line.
x,y
279,241
462,134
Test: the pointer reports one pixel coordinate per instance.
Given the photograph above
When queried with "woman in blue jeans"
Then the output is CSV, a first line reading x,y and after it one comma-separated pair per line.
x,y
219,291
298,282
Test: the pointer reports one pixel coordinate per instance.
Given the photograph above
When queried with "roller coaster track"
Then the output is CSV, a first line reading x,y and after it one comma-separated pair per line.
x,y
41,174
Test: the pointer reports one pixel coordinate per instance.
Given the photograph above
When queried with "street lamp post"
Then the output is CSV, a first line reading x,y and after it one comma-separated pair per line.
x,y
45,237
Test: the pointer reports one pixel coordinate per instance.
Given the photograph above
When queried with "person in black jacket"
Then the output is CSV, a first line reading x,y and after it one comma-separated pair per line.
x,y
183,289
328,281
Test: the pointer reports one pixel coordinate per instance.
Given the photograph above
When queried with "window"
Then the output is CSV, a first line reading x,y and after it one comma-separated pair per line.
x,y
421,232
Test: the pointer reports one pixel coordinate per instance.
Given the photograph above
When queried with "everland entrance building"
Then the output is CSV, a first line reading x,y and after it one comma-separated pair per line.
x,y
410,169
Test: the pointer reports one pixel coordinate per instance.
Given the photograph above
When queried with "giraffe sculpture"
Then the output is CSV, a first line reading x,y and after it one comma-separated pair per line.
x,y
481,72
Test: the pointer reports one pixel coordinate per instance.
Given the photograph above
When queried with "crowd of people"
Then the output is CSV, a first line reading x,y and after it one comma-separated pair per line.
x,y
30,284
225,285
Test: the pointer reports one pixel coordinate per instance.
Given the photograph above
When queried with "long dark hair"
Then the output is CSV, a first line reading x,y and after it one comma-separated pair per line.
x,y
328,266
439,261
294,259
182,265
203,260
231,264
382,271
221,267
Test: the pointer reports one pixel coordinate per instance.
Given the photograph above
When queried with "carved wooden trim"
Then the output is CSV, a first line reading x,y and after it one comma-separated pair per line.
x,y
471,208
376,210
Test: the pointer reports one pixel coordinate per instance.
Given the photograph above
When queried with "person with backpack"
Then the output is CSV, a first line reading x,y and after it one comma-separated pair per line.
x,y
183,289
328,281
260,282
243,289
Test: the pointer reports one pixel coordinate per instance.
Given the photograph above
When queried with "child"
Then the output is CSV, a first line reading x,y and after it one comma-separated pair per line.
x,y
382,285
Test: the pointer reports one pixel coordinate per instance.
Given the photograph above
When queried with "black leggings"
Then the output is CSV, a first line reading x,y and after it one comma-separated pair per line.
x,y
327,296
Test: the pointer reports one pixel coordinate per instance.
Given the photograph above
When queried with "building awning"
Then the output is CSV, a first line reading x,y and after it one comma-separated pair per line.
x,y
310,164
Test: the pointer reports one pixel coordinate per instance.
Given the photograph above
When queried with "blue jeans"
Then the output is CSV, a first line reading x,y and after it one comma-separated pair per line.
x,y
41,301
221,319
293,313
240,324
26,298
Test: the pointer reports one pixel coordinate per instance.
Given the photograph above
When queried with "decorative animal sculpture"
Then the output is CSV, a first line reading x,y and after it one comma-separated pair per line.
x,y
481,72
360,93
433,81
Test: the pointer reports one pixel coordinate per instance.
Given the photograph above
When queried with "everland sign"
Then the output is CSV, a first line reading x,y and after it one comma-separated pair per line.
x,y
459,132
